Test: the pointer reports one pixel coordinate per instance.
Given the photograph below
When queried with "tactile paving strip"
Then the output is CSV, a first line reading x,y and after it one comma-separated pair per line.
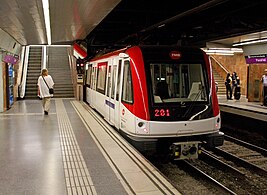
x,y
77,177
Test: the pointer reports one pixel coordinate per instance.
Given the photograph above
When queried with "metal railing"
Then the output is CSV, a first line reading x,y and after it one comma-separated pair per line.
x,y
221,66
22,85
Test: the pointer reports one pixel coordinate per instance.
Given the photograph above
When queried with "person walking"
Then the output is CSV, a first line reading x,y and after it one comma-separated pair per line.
x,y
264,88
228,82
45,88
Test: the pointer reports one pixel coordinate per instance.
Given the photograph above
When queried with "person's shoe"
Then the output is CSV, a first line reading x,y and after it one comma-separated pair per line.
x,y
45,112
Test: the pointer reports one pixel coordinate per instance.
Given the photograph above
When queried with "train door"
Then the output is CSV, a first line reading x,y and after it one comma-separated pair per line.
x,y
88,87
110,101
117,92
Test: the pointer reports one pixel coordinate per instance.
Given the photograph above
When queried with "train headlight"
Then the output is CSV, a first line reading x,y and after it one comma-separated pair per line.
x,y
145,130
142,127
141,124
218,122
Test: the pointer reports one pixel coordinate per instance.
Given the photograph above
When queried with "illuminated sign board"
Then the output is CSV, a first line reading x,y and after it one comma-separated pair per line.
x,y
175,55
161,112
256,59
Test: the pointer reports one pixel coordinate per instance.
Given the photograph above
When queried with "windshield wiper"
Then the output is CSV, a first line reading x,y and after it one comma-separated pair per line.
x,y
193,102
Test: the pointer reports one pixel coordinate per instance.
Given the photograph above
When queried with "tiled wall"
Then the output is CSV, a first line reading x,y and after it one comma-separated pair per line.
x,y
250,74
255,86
235,63
3,100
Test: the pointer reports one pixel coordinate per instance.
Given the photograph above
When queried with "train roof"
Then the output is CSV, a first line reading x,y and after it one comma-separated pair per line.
x,y
147,49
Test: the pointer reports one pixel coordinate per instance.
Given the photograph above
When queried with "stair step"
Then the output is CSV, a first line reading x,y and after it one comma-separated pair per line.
x,y
33,72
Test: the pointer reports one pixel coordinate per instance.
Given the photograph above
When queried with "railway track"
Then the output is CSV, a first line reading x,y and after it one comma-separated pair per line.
x,y
244,154
246,163
217,173
204,176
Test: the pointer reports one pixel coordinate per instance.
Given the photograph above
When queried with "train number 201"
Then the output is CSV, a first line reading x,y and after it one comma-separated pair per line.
x,y
162,112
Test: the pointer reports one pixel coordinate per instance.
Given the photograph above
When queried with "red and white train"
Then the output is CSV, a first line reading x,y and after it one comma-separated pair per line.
x,y
157,96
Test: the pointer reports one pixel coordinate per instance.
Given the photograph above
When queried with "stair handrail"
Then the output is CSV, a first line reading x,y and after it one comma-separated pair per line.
x,y
22,85
44,57
220,64
21,68
72,68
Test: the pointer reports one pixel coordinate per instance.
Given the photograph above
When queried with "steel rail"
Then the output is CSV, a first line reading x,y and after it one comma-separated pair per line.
x,y
217,184
211,158
247,145
240,161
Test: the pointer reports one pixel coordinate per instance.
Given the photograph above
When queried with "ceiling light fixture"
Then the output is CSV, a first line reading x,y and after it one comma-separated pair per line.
x,y
162,25
47,20
250,42
222,51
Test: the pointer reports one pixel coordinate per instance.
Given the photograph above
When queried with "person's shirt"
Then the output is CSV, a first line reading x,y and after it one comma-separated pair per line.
x,y
44,91
228,80
234,79
264,80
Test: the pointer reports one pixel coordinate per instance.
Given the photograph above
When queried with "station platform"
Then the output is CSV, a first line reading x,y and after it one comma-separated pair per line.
x,y
70,151
243,108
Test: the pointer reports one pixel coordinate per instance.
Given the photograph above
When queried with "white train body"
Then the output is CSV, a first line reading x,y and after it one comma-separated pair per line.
x,y
156,95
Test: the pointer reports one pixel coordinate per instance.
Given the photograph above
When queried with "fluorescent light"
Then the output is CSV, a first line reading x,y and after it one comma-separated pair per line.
x,y
47,20
218,53
162,25
250,42
222,51
237,50
59,45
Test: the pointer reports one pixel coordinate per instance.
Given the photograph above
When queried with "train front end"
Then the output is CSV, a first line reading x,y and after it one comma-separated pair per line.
x,y
182,105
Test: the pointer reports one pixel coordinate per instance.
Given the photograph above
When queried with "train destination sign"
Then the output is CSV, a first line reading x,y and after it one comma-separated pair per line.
x,y
175,55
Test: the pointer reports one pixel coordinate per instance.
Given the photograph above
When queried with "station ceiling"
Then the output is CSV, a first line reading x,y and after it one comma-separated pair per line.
x,y
111,23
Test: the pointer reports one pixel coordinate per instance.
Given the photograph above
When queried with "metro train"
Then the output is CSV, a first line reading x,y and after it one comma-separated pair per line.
x,y
157,97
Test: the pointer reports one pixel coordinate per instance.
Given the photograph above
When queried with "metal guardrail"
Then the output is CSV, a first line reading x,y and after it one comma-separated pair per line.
x,y
222,67
22,85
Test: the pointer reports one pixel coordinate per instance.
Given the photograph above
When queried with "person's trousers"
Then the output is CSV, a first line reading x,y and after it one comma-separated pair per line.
x,y
264,95
228,91
46,103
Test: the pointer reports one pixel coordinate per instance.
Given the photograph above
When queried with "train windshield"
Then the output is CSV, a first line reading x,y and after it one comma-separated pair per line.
x,y
177,83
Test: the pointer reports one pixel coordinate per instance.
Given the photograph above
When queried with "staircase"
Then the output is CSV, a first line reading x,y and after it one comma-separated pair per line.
x,y
218,70
33,72
59,68
220,81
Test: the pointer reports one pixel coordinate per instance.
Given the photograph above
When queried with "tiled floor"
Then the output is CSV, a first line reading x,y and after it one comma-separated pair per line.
x,y
69,152
41,155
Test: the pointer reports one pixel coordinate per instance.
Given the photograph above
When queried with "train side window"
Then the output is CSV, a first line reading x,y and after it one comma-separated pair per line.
x,y
101,77
109,80
89,75
118,81
113,81
127,86
93,78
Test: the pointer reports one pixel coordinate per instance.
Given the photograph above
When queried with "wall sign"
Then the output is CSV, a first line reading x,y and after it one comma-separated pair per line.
x,y
256,59
10,59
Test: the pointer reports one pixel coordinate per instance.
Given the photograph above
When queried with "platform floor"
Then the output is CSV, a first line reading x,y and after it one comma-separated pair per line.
x,y
242,107
69,152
